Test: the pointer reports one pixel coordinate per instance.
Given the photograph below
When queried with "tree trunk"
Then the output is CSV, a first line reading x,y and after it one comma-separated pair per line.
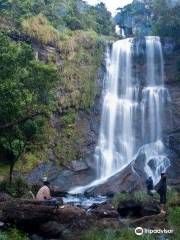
x,y
11,168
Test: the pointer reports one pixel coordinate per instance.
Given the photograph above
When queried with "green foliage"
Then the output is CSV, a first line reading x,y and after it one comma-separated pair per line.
x,y
174,216
4,170
166,19
25,93
16,8
173,198
135,19
30,160
27,85
72,14
68,118
175,235
157,17
22,80
142,196
68,149
39,28
138,196
111,234
102,19
78,15
16,189
13,234
120,197
82,54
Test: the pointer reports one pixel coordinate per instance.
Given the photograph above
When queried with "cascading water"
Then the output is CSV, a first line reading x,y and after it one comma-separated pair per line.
x,y
116,146
154,97
133,113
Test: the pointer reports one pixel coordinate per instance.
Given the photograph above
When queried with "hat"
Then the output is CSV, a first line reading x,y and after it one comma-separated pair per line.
x,y
44,179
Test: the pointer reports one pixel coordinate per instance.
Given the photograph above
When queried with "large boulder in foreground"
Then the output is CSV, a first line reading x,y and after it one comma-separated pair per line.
x,y
55,223
32,215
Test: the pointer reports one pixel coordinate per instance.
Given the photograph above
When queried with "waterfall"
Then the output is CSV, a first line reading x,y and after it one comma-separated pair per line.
x,y
116,146
155,95
132,112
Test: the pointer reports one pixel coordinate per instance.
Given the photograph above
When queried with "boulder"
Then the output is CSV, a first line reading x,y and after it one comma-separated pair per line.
x,y
78,166
127,180
79,173
32,215
69,179
4,197
50,170
52,229
136,209
105,211
36,237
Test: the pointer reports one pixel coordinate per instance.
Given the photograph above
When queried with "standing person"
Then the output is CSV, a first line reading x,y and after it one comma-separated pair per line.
x,y
162,190
150,186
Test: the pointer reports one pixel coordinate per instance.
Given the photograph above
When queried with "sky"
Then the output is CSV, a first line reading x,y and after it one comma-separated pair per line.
x,y
111,5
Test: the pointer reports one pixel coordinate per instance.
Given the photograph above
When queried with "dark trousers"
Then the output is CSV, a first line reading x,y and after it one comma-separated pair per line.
x,y
163,198
53,202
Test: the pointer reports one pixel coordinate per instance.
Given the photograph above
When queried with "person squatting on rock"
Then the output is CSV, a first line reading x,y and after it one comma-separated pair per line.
x,y
150,186
44,194
162,190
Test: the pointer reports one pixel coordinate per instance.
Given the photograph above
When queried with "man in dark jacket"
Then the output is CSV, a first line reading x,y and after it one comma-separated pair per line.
x,y
149,185
162,190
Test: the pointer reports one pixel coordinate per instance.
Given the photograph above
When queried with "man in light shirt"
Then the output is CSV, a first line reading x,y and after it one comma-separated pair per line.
x,y
44,192
44,195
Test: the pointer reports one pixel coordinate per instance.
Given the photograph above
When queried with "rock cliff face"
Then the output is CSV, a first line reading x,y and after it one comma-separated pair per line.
x,y
172,129
88,122
80,169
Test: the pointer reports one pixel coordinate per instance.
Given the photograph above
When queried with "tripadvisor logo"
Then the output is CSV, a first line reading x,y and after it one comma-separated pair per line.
x,y
139,231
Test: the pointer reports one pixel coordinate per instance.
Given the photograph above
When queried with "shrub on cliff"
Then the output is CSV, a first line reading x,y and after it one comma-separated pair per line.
x,y
39,28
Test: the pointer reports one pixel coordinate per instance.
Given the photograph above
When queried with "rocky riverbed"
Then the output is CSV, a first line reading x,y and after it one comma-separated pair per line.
x,y
70,222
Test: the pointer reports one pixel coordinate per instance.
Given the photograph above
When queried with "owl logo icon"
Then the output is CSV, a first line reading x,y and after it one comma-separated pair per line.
x,y
139,231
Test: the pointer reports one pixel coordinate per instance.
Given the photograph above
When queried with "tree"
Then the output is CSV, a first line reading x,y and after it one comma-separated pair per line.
x,y
102,18
72,14
135,18
166,22
25,95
